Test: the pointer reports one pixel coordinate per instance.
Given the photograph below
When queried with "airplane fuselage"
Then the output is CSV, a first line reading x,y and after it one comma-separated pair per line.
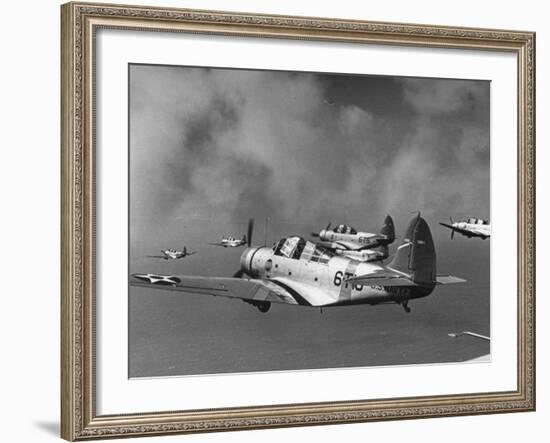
x,y
362,255
327,278
171,254
473,230
231,243
359,240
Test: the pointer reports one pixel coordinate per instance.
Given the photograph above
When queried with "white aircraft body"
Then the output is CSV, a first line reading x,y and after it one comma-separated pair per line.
x,y
471,227
362,246
298,272
173,254
232,242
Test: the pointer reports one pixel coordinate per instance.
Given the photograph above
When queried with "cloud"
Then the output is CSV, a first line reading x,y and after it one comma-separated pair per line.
x,y
220,146
444,96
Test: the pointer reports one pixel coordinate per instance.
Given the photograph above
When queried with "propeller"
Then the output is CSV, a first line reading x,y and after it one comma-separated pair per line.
x,y
249,231
452,230
316,234
240,273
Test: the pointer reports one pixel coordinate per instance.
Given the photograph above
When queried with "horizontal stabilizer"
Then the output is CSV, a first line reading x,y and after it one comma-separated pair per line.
x,y
380,279
448,279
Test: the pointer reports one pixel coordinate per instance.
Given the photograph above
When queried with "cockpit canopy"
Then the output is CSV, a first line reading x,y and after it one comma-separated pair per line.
x,y
298,248
345,229
477,221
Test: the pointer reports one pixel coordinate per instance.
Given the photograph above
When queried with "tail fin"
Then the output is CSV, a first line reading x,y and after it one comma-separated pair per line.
x,y
416,255
388,229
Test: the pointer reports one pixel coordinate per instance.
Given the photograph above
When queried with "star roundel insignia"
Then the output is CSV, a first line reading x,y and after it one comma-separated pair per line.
x,y
157,279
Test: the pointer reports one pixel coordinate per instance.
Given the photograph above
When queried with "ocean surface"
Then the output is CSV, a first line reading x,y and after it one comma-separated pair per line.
x,y
179,334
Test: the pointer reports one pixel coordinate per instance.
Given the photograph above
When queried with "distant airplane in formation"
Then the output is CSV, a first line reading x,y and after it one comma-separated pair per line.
x,y
471,227
471,334
482,358
173,254
232,242
299,272
361,246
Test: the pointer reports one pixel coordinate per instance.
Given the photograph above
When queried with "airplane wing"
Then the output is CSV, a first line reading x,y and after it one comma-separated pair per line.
x,y
382,278
218,244
448,279
158,256
245,289
465,231
447,225
190,253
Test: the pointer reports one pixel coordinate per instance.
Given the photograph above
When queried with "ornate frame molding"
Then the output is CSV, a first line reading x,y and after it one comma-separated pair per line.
x,y
79,22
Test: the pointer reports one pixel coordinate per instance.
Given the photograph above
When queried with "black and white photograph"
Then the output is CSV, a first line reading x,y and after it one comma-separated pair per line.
x,y
283,221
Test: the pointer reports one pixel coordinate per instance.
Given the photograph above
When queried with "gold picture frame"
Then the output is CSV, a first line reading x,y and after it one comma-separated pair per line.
x,y
80,21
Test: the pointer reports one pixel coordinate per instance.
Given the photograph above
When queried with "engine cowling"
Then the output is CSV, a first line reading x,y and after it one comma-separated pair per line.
x,y
256,261
246,260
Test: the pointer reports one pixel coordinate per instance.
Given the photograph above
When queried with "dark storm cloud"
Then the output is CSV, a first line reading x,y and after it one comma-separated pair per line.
x,y
224,145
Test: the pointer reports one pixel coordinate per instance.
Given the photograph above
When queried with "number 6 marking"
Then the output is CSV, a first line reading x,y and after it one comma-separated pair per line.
x,y
338,278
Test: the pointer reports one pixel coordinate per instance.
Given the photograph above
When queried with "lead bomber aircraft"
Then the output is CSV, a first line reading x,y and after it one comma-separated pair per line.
x,y
298,272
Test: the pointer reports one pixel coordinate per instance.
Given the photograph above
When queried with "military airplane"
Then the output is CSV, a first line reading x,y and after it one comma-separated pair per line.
x,y
173,254
362,246
471,227
482,358
299,272
471,334
365,255
232,242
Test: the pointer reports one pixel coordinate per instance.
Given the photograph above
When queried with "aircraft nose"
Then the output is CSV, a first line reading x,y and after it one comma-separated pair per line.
x,y
246,260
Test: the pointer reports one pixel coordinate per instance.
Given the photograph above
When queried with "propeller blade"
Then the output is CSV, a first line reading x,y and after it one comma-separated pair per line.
x,y
250,230
452,234
315,234
328,226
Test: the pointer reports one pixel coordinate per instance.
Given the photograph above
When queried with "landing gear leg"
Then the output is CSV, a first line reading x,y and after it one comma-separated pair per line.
x,y
405,304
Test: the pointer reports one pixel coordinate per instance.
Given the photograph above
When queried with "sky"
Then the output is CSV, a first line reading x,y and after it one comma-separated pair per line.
x,y
211,148
221,146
